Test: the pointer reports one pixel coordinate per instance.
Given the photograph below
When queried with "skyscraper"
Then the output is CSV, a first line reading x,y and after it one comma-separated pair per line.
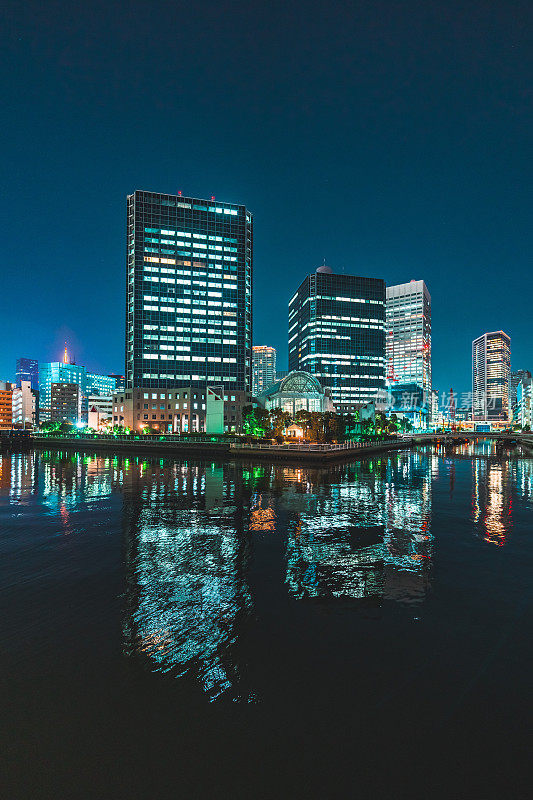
x,y
491,372
189,292
409,351
517,377
337,333
27,370
263,368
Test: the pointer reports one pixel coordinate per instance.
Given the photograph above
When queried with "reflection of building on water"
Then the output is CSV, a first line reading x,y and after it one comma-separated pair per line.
x,y
524,478
19,474
491,499
262,517
408,540
322,563
186,557
367,536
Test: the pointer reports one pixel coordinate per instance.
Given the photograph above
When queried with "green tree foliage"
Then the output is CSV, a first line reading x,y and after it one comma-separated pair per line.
x,y
320,427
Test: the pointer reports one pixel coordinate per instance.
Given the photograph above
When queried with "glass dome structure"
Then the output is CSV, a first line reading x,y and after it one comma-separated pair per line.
x,y
296,392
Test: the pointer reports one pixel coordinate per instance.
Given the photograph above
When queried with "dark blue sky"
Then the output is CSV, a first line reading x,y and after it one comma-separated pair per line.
x,y
392,138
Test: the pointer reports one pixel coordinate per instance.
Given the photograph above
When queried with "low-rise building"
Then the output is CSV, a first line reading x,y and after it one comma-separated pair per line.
x,y
25,413
6,405
175,410
100,411
294,431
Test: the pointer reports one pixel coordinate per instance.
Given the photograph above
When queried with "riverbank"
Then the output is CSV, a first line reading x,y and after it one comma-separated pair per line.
x,y
206,447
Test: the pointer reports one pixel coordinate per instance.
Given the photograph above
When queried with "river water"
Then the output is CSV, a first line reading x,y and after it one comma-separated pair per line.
x,y
198,629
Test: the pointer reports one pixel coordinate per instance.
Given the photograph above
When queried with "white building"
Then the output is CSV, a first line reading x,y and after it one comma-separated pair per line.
x,y
408,351
263,368
25,406
100,411
491,374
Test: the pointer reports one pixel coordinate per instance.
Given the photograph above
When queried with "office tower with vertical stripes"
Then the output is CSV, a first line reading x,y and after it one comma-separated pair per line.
x,y
337,333
189,292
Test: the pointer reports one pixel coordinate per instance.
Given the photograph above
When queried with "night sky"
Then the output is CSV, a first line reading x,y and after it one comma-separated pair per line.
x,y
393,139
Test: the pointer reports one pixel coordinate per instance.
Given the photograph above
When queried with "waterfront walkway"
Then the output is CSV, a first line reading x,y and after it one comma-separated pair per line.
x,y
204,446
207,446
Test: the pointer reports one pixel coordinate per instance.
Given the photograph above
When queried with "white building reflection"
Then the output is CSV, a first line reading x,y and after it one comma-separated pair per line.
x,y
492,498
185,569
367,534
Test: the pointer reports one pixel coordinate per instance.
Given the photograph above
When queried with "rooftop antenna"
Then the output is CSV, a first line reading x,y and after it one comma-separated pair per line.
x,y
65,355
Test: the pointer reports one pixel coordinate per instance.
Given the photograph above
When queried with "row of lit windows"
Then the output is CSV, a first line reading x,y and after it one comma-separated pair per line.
x,y
177,377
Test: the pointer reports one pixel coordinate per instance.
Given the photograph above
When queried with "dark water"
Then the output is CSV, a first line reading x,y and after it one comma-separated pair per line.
x,y
195,629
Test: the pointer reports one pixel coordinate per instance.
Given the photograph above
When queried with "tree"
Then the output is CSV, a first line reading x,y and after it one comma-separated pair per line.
x,y
66,427
49,426
255,421
303,418
331,426
279,420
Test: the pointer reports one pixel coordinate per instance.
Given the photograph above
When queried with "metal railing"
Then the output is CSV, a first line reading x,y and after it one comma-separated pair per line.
x,y
300,447
130,438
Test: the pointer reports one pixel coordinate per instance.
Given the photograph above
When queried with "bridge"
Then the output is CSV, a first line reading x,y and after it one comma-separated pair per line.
x,y
461,437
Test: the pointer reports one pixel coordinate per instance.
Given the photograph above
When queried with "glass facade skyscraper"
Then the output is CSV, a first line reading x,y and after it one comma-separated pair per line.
x,y
263,368
59,372
189,292
27,370
337,333
491,373
100,385
409,351
517,377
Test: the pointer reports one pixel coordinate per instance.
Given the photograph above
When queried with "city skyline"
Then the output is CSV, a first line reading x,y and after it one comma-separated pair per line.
x,y
384,168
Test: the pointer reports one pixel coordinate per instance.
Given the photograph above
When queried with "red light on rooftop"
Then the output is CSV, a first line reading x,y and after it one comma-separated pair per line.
x,y
179,193
212,197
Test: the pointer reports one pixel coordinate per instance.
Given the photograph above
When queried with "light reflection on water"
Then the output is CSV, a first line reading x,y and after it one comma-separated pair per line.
x,y
355,534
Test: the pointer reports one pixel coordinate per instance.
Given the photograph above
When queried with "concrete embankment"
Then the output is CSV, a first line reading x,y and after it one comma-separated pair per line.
x,y
303,453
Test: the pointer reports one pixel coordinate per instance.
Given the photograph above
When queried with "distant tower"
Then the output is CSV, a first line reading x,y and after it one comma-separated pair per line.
x,y
263,368
491,373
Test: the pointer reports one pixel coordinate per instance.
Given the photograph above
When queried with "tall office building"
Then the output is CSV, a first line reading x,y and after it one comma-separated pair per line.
x,y
409,351
491,372
517,377
27,370
337,333
189,292
263,368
